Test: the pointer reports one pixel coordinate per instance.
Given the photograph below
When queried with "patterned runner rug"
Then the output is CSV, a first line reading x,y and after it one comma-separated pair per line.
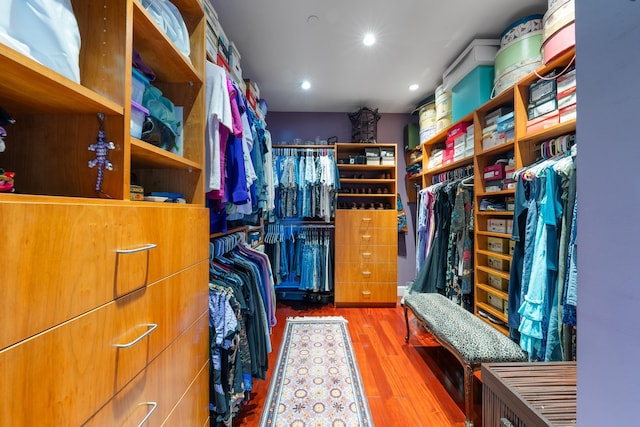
x,y
316,382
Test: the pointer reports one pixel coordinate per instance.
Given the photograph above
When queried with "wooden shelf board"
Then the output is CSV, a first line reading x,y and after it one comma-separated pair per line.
x,y
502,274
495,193
189,7
146,155
560,61
442,135
30,87
491,290
377,196
503,98
501,328
366,181
493,311
505,257
552,132
496,213
498,149
159,52
346,166
450,166
492,234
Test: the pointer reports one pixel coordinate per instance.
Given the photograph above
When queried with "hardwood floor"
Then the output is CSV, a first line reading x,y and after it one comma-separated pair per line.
x,y
411,385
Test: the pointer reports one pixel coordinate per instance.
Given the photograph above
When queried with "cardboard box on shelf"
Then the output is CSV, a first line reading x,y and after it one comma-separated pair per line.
x,y
498,245
496,225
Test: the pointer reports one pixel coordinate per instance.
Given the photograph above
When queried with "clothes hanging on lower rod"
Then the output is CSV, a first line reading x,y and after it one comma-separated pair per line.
x,y
290,246
543,282
444,251
241,315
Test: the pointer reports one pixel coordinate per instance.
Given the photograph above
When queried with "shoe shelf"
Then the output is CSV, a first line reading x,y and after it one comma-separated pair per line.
x,y
366,186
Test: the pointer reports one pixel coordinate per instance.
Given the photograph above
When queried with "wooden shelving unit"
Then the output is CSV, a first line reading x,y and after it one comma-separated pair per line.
x,y
525,153
117,302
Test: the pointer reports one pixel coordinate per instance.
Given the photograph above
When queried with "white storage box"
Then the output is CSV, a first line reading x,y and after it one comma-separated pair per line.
x,y
479,52
138,114
139,84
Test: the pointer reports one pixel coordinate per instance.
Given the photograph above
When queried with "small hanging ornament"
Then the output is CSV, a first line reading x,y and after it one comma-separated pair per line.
x,y
102,149
364,125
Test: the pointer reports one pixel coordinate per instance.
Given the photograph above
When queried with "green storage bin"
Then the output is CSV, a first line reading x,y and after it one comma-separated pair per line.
x,y
411,136
472,91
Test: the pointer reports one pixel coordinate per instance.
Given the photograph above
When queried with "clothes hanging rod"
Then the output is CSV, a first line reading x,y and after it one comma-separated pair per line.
x,y
303,146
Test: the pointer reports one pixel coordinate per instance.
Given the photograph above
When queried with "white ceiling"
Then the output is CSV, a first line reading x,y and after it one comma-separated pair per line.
x,y
416,41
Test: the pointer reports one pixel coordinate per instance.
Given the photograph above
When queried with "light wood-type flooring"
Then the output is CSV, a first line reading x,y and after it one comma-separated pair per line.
x,y
410,385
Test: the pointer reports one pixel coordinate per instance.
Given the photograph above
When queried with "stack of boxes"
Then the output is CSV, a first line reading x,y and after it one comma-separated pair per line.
x,y
499,176
387,156
566,88
252,93
456,143
499,128
220,47
372,156
552,100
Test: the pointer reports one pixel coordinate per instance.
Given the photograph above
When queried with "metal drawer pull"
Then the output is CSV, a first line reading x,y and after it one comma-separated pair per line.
x,y
140,249
153,405
366,273
366,254
366,219
366,292
152,327
366,236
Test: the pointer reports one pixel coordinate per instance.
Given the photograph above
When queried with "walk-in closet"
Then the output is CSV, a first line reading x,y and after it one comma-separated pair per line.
x,y
247,213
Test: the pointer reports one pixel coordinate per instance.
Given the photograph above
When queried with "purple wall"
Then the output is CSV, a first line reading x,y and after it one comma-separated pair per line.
x,y
607,37
284,127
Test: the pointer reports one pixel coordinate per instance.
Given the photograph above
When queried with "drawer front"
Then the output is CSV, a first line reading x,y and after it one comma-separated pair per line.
x,y
366,254
65,259
366,272
193,408
366,228
365,293
157,390
80,364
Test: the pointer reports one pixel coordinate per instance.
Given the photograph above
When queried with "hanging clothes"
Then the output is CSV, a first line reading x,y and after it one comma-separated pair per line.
x,y
305,183
444,249
291,246
241,315
541,267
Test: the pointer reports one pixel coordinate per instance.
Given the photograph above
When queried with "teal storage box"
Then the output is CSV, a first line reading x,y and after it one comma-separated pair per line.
x,y
472,91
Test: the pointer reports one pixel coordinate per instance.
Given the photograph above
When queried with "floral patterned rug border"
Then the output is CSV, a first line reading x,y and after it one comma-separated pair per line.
x,y
316,382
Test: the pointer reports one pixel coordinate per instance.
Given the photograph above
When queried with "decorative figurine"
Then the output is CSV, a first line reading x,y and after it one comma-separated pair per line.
x,y
102,149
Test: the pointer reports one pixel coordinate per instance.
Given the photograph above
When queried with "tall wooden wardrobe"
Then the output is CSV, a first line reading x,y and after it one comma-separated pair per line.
x,y
105,318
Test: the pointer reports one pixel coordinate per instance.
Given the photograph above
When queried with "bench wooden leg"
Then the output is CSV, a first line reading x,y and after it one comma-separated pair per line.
x,y
406,321
468,395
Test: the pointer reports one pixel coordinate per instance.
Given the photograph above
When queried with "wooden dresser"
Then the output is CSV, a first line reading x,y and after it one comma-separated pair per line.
x,y
105,318
366,237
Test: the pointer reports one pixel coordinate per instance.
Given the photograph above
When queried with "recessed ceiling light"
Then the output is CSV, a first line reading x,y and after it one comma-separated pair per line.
x,y
369,39
414,86
306,85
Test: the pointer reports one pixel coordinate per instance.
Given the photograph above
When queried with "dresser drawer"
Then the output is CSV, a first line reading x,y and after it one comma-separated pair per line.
x,y
349,293
157,390
65,259
193,408
367,272
366,228
83,362
366,253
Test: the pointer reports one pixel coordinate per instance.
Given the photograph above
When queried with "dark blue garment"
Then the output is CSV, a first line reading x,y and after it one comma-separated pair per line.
x,y
517,260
